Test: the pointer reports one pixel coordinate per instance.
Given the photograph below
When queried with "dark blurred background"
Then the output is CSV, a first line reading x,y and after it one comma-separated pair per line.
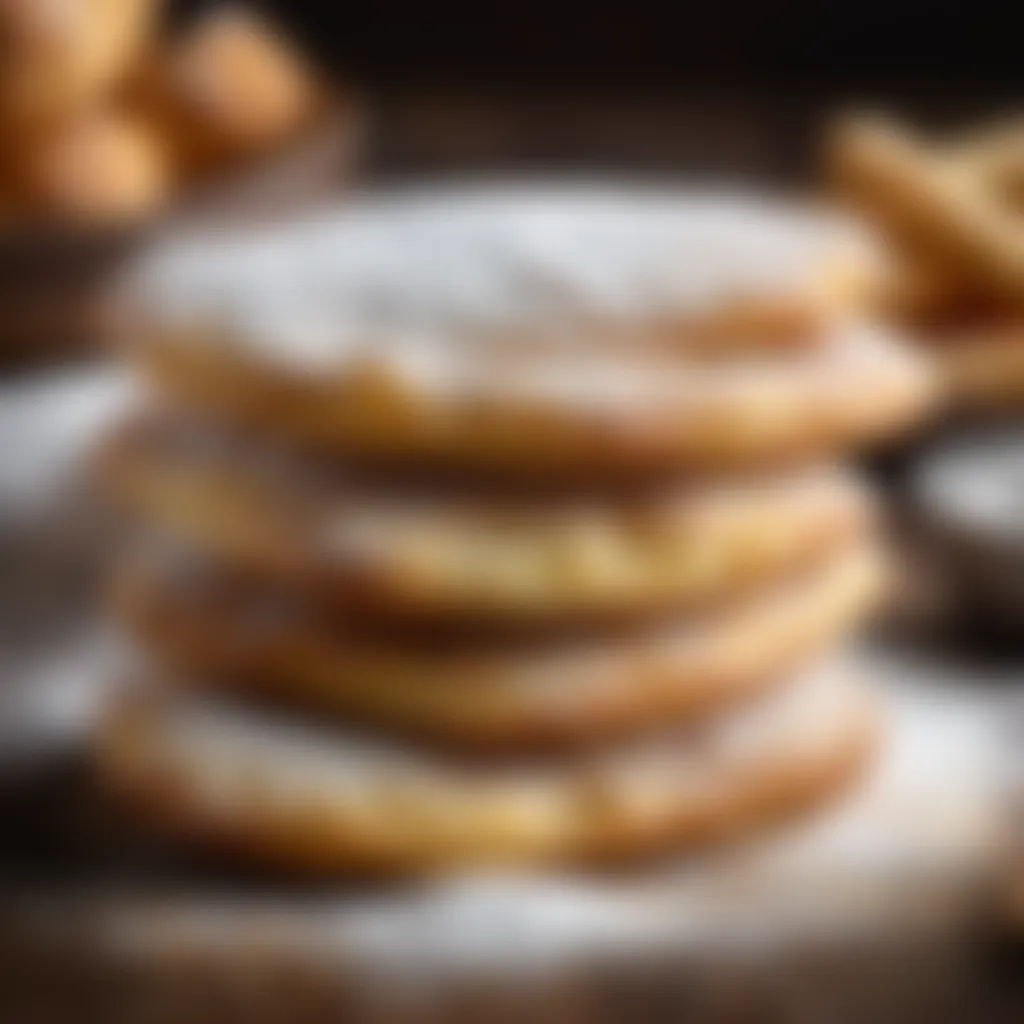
x,y
794,41
705,86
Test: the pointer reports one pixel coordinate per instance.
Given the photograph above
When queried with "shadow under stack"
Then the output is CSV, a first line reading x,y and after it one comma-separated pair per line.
x,y
499,527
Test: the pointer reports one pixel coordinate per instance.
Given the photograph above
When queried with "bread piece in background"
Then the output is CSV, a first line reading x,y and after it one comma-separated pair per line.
x,y
953,212
930,207
917,295
994,154
228,89
8,199
60,57
100,167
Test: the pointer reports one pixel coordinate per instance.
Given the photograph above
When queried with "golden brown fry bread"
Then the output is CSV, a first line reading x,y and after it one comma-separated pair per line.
x,y
471,554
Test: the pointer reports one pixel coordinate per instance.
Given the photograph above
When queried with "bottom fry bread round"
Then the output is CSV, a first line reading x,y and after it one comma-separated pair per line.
x,y
333,804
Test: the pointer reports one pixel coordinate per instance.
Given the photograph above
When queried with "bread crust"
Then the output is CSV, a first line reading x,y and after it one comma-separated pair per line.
x,y
682,416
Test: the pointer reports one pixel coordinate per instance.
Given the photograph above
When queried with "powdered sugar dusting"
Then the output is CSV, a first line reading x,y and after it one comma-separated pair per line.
x,y
418,272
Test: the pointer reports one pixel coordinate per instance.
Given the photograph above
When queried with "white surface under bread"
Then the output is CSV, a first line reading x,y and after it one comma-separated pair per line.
x,y
899,862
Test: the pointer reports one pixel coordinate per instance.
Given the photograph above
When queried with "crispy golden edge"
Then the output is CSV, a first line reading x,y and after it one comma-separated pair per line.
x,y
383,417
575,818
